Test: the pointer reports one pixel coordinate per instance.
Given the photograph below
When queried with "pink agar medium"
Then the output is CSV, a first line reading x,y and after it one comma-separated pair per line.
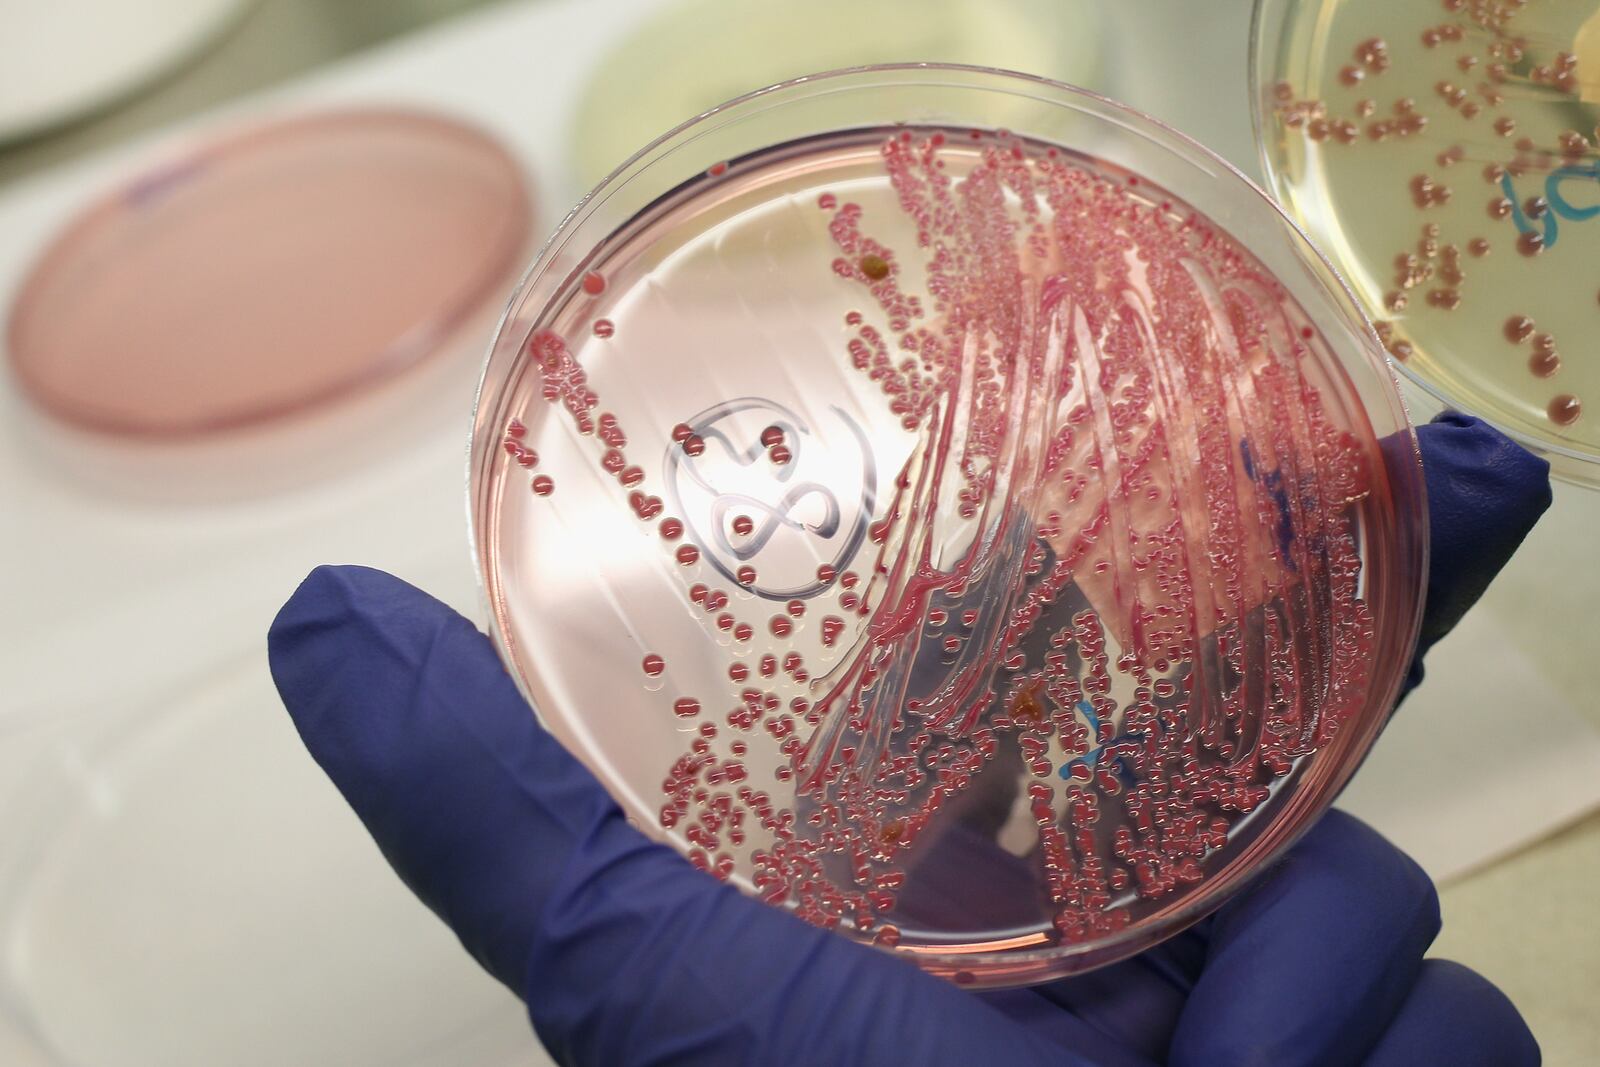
x,y
268,272
1113,585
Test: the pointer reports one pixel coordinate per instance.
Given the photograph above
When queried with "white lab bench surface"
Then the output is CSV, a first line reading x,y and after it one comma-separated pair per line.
x,y
164,830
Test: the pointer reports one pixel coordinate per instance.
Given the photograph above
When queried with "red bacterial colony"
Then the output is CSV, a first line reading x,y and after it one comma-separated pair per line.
x,y
1119,566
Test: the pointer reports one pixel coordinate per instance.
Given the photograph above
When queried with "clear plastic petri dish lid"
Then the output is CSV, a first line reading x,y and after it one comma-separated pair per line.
x,y
266,272
181,887
1443,156
992,545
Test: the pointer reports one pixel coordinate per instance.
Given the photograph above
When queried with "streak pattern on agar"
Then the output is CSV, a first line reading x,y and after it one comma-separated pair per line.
x,y
1121,558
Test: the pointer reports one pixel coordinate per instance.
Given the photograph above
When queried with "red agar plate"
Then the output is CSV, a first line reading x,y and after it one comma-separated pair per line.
x,y
268,272
992,545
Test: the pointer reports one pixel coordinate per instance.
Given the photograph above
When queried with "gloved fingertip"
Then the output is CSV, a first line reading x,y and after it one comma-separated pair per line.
x,y
1485,493
1309,964
347,652
1463,453
406,707
307,608
326,601
335,588
1454,1015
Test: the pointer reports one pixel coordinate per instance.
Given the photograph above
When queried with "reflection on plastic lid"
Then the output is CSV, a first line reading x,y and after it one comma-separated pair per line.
x,y
268,272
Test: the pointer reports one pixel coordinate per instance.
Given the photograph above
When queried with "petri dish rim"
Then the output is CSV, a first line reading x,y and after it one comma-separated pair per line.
x,y
979,965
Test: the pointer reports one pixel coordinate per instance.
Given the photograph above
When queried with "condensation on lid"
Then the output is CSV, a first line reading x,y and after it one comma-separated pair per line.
x,y
267,272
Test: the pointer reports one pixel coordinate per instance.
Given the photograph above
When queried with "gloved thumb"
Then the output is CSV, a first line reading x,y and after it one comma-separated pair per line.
x,y
624,953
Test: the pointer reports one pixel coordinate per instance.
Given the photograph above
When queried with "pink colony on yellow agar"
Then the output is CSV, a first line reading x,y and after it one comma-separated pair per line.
x,y
1454,181
1059,595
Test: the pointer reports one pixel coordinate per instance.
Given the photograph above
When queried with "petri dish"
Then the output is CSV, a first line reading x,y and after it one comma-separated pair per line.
x,y
51,71
1442,154
181,887
992,545
692,55
267,272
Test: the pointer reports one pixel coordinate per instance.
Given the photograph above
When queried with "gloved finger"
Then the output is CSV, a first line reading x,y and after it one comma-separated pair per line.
x,y
1310,964
624,953
1140,1001
1136,1002
1485,492
1454,1016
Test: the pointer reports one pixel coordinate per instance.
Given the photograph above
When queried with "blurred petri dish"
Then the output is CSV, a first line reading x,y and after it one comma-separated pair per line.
x,y
182,887
52,70
992,545
1443,155
692,55
268,272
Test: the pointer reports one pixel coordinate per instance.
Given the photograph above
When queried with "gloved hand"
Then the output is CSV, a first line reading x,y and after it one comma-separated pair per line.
x,y
626,955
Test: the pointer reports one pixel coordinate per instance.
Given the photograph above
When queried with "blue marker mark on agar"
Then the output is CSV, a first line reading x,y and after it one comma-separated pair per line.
x,y
1089,758
1559,203
1272,482
160,184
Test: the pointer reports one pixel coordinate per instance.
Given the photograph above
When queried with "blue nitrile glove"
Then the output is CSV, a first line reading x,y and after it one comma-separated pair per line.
x,y
626,955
